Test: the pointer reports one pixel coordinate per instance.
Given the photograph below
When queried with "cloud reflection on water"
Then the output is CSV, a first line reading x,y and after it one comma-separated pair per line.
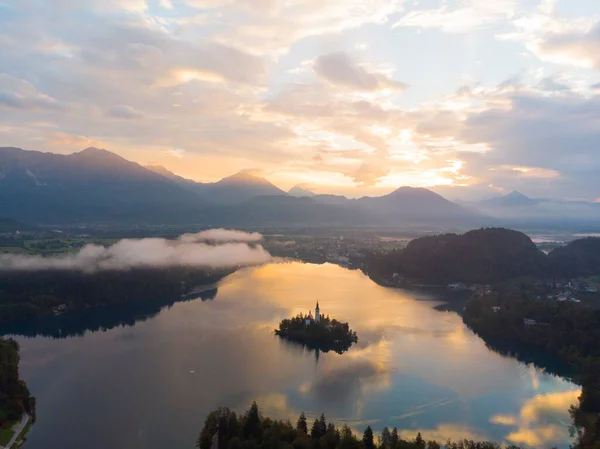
x,y
415,367
542,420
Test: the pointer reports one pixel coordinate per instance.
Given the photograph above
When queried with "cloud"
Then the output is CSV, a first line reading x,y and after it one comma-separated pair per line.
x,y
18,93
124,112
188,250
339,69
221,235
369,173
567,40
344,381
36,102
537,143
470,16
230,84
575,46
268,27
165,4
550,84
541,421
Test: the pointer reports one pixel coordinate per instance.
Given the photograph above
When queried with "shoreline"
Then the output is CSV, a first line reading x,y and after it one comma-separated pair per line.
x,y
22,428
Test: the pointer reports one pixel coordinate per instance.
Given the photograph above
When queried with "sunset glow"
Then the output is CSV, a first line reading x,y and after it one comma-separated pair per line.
x,y
354,98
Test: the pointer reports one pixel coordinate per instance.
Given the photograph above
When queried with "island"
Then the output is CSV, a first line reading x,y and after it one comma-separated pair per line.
x,y
320,332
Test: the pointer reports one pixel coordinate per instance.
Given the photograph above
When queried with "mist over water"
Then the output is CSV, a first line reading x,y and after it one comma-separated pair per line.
x,y
214,248
151,385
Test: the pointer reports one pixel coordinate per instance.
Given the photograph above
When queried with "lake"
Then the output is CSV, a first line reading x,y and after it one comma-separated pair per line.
x,y
150,382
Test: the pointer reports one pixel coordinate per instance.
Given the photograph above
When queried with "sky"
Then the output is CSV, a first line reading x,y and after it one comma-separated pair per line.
x,y
470,98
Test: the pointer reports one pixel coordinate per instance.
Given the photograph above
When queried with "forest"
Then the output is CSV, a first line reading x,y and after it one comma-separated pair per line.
x,y
326,335
15,398
578,258
224,429
483,256
565,329
25,295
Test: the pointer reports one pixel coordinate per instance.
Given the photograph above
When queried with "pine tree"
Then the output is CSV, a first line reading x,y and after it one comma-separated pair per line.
x,y
315,432
395,438
251,426
419,441
347,433
301,424
322,425
368,438
386,439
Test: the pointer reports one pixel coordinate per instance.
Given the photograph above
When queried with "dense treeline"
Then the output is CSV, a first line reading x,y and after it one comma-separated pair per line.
x,y
26,295
562,328
78,323
483,256
326,335
224,429
15,398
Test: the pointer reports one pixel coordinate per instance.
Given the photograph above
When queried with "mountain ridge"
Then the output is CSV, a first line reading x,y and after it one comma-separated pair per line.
x,y
95,185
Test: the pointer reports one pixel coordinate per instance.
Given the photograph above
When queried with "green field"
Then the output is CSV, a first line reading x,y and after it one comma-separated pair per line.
x,y
51,247
6,433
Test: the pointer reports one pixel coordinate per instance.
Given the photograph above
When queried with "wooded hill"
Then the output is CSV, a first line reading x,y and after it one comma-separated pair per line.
x,y
483,256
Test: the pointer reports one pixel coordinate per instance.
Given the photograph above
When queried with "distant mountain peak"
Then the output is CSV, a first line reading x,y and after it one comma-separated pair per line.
x,y
512,199
98,154
299,191
516,194
240,187
244,177
413,192
94,150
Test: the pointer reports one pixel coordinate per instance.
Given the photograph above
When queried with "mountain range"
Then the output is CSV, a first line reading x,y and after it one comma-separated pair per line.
x,y
97,186
518,209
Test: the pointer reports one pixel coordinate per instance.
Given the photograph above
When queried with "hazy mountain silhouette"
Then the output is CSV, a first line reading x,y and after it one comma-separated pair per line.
x,y
417,205
95,186
299,192
406,205
238,188
92,185
513,199
516,210
188,184
285,210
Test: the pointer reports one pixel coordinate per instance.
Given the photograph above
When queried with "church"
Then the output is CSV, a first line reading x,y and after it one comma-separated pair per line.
x,y
317,318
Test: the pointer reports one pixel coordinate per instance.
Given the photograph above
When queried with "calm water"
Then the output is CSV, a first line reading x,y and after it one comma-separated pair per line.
x,y
151,385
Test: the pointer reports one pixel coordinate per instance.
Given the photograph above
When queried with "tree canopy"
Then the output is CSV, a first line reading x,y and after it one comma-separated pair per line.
x,y
482,256
326,335
565,329
15,398
224,429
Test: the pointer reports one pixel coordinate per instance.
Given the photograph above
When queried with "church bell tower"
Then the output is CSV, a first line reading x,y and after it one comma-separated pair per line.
x,y
317,313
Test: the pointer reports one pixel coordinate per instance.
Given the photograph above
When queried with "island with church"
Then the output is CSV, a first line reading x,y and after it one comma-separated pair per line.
x,y
319,332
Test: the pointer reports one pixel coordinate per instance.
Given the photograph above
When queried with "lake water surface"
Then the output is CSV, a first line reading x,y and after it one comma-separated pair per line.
x,y
415,367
